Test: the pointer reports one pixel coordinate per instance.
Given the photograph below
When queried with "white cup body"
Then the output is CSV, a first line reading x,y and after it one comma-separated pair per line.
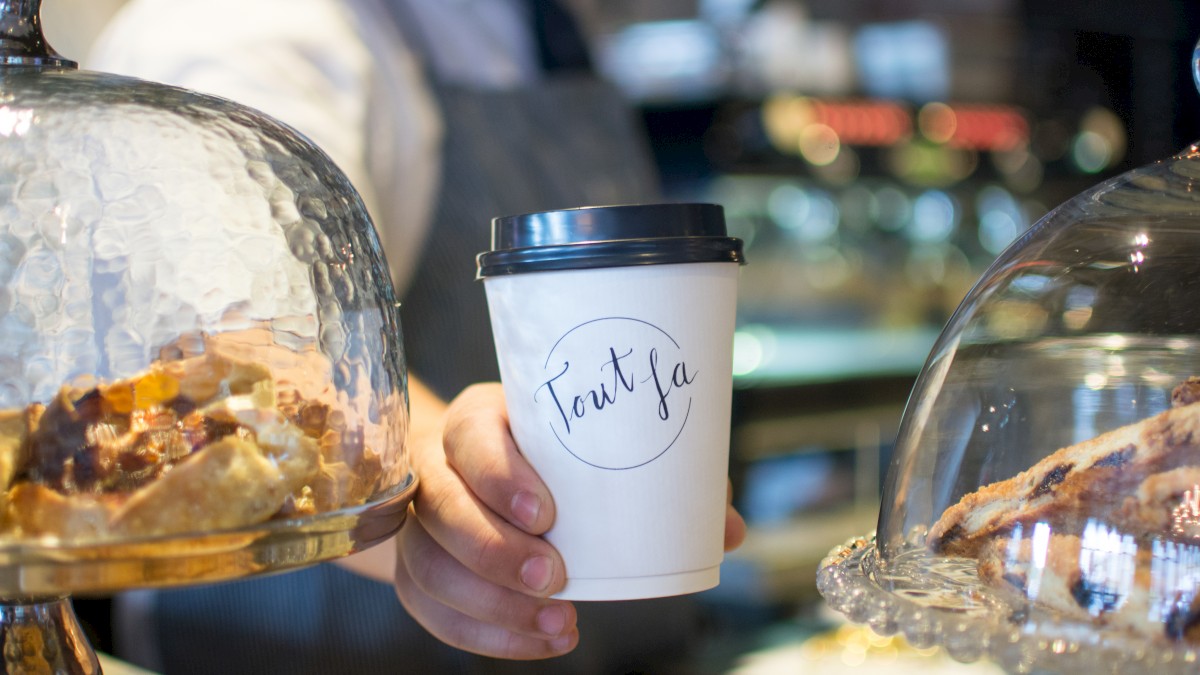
x,y
618,383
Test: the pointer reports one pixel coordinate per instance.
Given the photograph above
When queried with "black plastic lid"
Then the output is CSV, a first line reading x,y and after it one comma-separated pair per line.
x,y
608,236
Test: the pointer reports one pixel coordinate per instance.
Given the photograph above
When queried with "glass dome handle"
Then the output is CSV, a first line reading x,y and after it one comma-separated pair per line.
x,y
21,39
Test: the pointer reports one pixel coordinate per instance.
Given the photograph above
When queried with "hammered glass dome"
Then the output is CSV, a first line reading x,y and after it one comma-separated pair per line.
x,y
1043,505
201,372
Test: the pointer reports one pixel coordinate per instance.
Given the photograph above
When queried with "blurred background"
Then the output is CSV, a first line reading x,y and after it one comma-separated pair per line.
x,y
875,156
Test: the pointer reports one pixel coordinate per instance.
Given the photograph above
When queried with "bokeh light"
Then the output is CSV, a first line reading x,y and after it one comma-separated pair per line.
x,y
935,217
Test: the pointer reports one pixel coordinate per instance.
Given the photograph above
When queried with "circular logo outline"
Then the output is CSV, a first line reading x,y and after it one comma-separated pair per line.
x,y
686,415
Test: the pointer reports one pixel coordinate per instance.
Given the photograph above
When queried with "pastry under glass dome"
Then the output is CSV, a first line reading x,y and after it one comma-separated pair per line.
x,y
201,370
1043,504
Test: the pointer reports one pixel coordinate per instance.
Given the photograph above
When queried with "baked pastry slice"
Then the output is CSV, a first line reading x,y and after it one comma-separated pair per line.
x,y
1081,483
1106,531
195,445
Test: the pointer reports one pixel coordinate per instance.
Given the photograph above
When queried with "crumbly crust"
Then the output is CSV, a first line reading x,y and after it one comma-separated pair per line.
x,y
194,445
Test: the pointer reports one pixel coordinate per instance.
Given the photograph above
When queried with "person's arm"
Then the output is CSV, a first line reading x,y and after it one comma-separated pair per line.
x,y
427,413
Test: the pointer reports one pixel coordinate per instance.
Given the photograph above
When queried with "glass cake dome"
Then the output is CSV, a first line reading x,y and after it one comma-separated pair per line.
x,y
201,369
1042,508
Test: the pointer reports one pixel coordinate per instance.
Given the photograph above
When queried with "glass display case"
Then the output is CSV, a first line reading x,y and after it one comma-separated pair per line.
x,y
1041,508
201,369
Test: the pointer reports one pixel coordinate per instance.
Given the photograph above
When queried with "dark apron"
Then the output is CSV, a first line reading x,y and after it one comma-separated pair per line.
x,y
566,142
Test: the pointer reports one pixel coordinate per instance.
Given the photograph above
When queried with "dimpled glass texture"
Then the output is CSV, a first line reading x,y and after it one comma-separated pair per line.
x,y
1042,507
142,224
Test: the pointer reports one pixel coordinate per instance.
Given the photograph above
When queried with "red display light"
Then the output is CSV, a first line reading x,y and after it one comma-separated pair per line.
x,y
975,127
866,123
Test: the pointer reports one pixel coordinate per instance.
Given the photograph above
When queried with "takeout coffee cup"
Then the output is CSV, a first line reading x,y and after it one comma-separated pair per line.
x,y
614,328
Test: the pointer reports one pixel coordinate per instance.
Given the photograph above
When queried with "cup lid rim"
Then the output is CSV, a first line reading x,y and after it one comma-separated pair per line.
x,y
613,235
618,253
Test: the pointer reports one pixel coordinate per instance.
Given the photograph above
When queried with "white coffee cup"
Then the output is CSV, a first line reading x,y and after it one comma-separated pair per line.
x,y
613,328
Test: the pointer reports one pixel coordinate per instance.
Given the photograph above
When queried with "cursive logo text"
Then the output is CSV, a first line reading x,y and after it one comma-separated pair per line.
x,y
617,395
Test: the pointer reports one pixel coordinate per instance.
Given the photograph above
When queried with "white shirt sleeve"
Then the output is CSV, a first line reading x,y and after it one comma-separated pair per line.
x,y
323,67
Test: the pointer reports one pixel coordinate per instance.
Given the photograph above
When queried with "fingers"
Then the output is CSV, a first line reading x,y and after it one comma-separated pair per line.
x,y
735,525
464,610
471,531
469,566
479,446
